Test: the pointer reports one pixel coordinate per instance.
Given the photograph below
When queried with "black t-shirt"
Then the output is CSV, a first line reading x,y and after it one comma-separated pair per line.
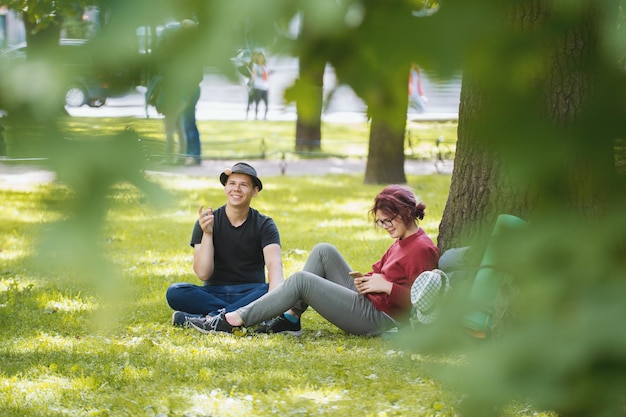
x,y
239,250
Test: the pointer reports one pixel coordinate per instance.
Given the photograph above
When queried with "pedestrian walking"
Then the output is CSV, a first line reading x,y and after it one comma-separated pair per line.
x,y
259,83
417,99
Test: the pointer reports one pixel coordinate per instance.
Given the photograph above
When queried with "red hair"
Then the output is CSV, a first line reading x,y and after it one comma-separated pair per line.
x,y
398,200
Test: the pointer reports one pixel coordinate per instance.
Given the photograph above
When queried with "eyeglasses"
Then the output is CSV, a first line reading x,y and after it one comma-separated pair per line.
x,y
385,222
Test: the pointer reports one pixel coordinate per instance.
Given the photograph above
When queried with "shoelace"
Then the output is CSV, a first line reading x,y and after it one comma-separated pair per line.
x,y
273,322
211,324
276,320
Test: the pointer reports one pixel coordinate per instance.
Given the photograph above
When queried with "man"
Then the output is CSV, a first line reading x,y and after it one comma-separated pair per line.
x,y
179,74
232,246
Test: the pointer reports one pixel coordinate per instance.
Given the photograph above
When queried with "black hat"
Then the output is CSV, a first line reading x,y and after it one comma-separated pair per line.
x,y
241,168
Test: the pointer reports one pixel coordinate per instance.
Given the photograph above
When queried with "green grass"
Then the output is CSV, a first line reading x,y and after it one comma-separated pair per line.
x,y
253,139
90,335
68,349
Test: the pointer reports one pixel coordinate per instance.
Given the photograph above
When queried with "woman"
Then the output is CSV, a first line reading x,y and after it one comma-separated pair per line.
x,y
368,304
259,82
417,99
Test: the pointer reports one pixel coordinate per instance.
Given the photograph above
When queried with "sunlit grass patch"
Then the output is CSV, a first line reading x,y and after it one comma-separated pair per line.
x,y
15,285
242,139
65,304
13,247
42,392
121,357
22,215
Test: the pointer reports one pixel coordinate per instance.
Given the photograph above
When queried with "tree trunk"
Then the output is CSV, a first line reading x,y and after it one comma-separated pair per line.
x,y
535,139
43,46
41,40
385,159
469,208
513,142
309,102
308,93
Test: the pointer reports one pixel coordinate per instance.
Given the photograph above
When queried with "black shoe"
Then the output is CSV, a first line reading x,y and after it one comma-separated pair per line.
x,y
280,324
212,325
179,318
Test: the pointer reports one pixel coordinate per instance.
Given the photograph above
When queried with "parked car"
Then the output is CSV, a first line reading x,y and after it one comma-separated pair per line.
x,y
89,83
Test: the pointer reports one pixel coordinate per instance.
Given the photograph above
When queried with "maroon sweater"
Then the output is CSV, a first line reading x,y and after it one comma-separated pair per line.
x,y
401,264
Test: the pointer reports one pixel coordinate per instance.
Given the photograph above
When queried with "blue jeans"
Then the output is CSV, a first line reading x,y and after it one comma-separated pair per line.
x,y
207,299
190,127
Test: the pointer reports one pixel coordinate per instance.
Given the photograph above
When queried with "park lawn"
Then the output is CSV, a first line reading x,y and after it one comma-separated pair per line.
x,y
250,139
66,351
95,339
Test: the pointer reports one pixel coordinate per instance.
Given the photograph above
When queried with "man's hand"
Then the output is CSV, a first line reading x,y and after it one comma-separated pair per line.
x,y
206,218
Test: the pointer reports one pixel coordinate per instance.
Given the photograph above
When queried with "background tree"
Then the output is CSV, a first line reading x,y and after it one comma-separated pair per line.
x,y
357,38
42,22
385,93
371,46
308,91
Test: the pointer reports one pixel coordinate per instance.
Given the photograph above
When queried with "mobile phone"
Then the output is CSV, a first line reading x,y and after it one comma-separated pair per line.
x,y
355,274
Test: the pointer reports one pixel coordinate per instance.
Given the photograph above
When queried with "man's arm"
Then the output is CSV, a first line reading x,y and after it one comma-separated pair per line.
x,y
274,264
203,258
204,253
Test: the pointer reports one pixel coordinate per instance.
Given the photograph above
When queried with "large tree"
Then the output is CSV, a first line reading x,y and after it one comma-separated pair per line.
x,y
542,107
527,137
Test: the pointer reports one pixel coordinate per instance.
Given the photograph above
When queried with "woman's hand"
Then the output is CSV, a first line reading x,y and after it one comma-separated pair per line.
x,y
373,283
206,218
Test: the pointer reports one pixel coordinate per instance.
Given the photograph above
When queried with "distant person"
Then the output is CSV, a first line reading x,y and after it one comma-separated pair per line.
x,y
232,247
417,99
3,146
181,73
244,68
259,83
361,304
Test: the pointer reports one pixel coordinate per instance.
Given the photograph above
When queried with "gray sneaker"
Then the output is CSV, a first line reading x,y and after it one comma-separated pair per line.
x,y
212,325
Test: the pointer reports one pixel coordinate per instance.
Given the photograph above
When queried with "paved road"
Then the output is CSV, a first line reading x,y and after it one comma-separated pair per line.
x,y
223,99
296,167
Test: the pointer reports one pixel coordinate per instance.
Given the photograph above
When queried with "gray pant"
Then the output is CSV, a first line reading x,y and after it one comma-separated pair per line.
x,y
325,285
